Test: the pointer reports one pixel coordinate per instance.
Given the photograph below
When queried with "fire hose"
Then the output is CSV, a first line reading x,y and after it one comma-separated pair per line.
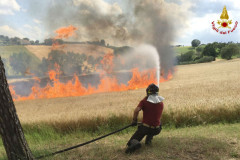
x,y
82,144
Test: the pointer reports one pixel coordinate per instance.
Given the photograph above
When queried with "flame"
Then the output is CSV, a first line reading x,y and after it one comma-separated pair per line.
x,y
74,87
13,93
56,45
164,78
63,33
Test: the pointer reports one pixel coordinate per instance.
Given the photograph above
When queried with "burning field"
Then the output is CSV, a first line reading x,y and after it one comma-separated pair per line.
x,y
77,69
134,69
197,94
75,87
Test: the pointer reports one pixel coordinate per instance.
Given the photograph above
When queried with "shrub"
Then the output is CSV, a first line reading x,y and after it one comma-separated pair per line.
x,y
20,62
91,60
210,50
185,57
187,62
69,62
199,49
228,51
205,59
197,56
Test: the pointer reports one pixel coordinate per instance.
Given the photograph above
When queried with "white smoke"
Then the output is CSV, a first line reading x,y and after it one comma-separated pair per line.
x,y
150,53
144,57
155,22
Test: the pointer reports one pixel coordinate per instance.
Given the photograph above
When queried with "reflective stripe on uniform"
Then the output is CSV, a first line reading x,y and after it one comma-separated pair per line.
x,y
146,125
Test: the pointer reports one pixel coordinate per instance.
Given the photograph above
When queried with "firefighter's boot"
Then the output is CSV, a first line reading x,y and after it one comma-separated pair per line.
x,y
133,145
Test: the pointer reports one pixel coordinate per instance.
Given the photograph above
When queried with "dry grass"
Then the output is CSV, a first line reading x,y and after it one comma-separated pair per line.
x,y
39,50
198,93
42,50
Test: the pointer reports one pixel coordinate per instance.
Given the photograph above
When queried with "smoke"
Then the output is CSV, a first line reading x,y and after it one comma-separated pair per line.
x,y
153,22
95,19
154,27
143,57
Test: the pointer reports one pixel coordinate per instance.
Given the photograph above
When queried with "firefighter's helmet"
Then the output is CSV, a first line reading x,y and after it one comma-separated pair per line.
x,y
152,89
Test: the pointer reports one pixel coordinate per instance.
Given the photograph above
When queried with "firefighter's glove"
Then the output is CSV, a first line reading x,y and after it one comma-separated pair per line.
x,y
134,122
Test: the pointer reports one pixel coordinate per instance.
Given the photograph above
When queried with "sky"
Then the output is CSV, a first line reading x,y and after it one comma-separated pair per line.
x,y
187,19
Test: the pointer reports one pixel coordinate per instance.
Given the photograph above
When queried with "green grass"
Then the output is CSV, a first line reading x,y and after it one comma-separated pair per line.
x,y
184,49
215,142
7,51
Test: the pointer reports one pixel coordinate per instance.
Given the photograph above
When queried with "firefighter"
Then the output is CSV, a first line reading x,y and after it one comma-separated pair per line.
x,y
152,107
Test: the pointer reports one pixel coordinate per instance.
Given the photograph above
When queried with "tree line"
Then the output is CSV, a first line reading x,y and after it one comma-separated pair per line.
x,y
209,52
70,63
6,41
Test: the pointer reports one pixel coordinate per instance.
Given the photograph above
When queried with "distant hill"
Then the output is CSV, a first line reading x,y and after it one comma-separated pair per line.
x,y
37,52
89,49
7,51
185,49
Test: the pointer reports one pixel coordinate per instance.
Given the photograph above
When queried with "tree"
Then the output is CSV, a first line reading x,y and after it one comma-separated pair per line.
x,y
48,42
10,128
98,60
210,50
32,42
83,56
199,49
72,64
58,41
27,39
102,42
228,51
43,67
69,62
37,42
15,41
20,62
56,57
91,60
195,43
218,46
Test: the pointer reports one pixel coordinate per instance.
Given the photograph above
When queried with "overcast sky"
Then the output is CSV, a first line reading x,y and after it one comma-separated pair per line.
x,y
191,19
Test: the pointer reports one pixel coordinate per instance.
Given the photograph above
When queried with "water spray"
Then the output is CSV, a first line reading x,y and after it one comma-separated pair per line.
x,y
151,52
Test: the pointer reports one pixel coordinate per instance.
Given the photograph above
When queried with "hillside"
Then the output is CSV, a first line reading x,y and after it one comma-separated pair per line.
x,y
185,49
7,51
37,52
89,49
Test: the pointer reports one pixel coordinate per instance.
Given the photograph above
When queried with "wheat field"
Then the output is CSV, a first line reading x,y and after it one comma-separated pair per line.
x,y
198,93
42,51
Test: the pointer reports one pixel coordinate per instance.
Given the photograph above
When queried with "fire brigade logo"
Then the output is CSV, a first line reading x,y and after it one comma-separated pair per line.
x,y
224,24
